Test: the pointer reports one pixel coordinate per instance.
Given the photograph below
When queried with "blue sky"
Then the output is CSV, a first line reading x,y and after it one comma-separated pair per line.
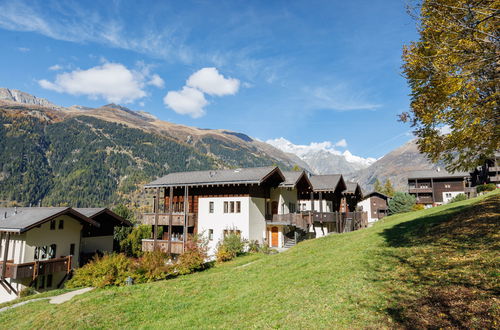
x,y
308,71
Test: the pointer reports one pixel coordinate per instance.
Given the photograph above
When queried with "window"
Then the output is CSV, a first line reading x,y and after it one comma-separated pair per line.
x,y
52,251
291,207
72,249
238,207
447,186
52,225
61,224
226,207
37,253
210,234
448,195
211,207
49,280
43,252
231,207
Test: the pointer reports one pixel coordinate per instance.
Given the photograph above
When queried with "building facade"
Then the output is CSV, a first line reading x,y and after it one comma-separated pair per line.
x,y
437,187
40,246
263,204
375,204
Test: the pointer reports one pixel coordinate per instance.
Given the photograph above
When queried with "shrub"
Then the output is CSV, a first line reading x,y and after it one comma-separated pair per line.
x,y
458,198
194,257
418,207
110,269
253,246
27,291
231,246
401,202
132,244
486,187
152,266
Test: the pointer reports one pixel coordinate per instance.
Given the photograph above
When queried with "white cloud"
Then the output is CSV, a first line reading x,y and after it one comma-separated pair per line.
x,y
55,67
444,130
23,49
111,81
191,99
342,143
156,81
210,81
188,101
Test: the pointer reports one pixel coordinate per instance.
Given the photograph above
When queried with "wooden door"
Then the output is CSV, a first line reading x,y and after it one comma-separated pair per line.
x,y
274,237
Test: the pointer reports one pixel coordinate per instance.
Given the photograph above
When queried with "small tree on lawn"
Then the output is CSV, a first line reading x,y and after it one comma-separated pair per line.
x,y
401,202
377,186
388,188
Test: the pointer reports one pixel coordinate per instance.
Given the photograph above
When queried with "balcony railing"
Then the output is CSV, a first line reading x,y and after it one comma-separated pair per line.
x,y
414,190
163,219
162,245
425,200
33,269
303,219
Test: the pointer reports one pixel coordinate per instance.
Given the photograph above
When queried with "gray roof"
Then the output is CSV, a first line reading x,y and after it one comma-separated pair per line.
x,y
293,177
325,182
375,193
91,212
21,219
255,175
351,187
427,174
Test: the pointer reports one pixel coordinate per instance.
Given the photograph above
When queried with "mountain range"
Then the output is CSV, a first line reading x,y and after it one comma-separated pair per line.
x,y
84,156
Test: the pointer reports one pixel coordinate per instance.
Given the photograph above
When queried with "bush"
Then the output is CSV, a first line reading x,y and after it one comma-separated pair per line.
x,y
231,246
458,198
401,202
152,266
132,244
253,246
418,207
486,187
110,269
194,257
27,291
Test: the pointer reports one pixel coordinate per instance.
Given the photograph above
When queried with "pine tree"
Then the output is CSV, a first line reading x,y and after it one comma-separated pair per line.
x,y
388,189
377,186
401,202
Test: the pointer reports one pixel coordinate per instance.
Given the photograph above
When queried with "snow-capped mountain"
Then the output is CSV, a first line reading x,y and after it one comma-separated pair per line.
x,y
322,157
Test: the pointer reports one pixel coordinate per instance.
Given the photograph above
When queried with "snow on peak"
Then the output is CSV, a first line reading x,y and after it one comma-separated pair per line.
x,y
307,151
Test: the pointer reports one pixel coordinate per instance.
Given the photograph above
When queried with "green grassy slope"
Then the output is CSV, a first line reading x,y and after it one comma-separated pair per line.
x,y
396,273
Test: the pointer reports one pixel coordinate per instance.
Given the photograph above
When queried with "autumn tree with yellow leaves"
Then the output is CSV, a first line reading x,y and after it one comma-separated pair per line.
x,y
453,71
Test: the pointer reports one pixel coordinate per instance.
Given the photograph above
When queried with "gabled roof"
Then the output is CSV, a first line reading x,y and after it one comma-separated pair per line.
x,y
255,175
373,193
428,174
292,178
352,187
326,182
22,219
96,211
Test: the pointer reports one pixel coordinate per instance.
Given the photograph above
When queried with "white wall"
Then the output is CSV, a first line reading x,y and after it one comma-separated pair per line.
x,y
257,220
446,200
284,196
367,207
101,243
219,221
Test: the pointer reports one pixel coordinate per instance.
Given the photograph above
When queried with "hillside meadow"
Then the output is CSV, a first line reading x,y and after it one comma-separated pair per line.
x,y
435,267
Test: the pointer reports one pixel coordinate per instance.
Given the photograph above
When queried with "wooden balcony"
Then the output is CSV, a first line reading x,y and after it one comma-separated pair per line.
x,y
420,190
425,200
162,245
163,218
33,269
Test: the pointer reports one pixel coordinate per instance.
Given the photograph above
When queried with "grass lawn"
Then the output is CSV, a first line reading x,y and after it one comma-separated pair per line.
x,y
434,267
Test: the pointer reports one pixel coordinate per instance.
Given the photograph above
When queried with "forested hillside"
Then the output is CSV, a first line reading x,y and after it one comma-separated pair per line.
x,y
85,161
